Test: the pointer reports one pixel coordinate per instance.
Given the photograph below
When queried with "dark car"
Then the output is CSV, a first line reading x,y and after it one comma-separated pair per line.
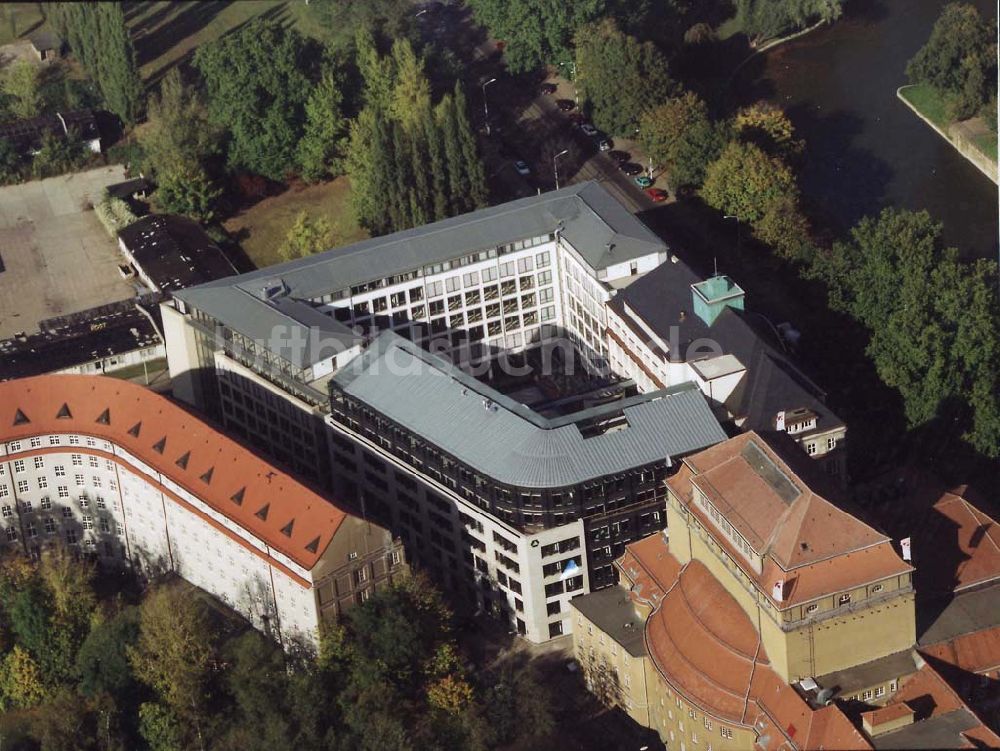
x,y
620,157
547,88
630,168
566,105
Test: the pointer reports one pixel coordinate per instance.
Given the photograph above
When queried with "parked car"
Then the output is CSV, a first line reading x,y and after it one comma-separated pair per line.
x,y
657,195
619,157
588,129
547,88
522,167
604,144
630,168
643,181
566,105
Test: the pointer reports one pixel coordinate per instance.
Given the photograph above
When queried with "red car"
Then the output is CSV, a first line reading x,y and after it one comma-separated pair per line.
x,y
657,195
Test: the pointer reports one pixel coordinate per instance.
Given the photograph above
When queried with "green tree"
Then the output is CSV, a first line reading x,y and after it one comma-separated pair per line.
x,y
785,229
369,164
178,131
257,86
175,652
58,154
102,661
458,178
21,682
959,60
536,32
619,77
305,237
933,321
10,163
377,72
679,135
762,20
411,92
97,34
437,167
160,727
768,127
321,150
187,189
744,181
257,679
21,83
471,161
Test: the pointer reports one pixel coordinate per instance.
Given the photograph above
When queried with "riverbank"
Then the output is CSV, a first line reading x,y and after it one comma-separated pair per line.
x,y
970,138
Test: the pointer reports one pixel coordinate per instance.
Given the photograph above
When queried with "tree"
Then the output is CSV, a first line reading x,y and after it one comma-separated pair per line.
x,y
98,36
768,127
744,181
459,188
475,173
959,60
187,189
102,661
377,72
10,162
58,154
369,166
174,652
762,20
933,321
21,681
411,92
785,229
437,167
178,131
257,85
21,83
619,77
324,140
160,727
305,237
535,32
679,135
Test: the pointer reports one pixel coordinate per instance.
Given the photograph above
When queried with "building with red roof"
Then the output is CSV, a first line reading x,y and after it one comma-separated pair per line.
x,y
772,618
120,473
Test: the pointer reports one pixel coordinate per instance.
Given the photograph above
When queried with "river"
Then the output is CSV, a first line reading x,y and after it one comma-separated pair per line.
x,y
865,148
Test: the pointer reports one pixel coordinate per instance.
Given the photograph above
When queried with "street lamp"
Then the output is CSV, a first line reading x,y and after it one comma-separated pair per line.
x,y
555,165
486,108
733,216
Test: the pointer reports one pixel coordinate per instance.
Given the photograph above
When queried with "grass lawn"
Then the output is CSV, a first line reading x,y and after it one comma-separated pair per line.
x,y
927,101
987,143
17,19
262,228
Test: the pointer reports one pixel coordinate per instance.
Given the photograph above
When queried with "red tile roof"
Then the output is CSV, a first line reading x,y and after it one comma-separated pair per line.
x,y
975,535
268,503
706,648
976,652
813,546
883,715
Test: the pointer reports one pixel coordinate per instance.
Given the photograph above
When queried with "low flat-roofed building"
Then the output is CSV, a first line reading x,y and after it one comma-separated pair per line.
x,y
115,471
171,252
103,340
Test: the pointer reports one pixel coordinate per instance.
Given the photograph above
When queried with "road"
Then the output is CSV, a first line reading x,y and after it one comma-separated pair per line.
x,y
524,123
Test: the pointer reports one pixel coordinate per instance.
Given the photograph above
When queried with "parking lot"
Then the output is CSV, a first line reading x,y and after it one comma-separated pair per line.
x,y
55,257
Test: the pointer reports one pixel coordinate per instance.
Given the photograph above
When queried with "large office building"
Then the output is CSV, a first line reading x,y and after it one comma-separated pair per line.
x,y
767,617
112,470
293,359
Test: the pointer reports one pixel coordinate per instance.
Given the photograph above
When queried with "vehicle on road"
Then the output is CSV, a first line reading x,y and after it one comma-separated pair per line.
x,y
630,168
565,105
547,88
620,157
522,167
604,144
589,130
644,181
657,195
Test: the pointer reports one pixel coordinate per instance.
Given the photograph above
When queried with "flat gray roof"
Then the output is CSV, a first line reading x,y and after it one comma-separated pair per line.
x,y
510,443
942,731
586,215
612,611
887,668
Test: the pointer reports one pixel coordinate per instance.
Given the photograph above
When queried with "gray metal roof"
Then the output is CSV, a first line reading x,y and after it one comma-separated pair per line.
x,y
941,731
510,443
587,216
612,611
